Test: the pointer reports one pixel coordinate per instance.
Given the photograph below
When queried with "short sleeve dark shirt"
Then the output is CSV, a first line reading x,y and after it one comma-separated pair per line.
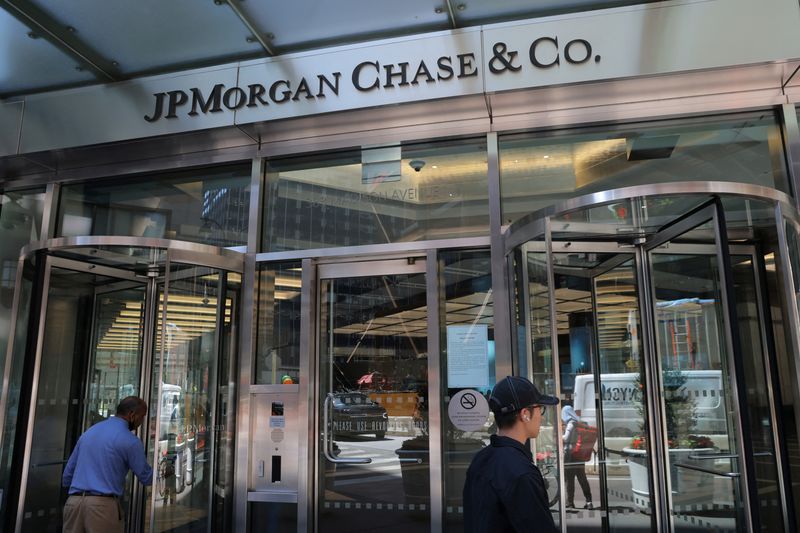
x,y
504,491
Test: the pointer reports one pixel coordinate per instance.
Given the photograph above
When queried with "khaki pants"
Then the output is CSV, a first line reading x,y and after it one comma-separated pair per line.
x,y
93,514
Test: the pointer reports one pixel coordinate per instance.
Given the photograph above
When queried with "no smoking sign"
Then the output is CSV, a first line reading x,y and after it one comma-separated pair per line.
x,y
468,410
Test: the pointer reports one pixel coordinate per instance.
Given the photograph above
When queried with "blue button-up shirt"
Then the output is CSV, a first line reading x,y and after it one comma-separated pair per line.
x,y
102,457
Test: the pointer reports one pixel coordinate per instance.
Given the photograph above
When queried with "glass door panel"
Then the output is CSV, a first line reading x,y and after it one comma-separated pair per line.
x,y
374,467
68,337
698,380
194,316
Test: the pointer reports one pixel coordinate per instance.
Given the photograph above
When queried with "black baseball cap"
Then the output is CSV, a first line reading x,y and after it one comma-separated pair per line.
x,y
513,393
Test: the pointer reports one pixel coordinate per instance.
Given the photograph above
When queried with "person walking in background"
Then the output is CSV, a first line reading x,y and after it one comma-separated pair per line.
x,y
504,491
96,470
573,468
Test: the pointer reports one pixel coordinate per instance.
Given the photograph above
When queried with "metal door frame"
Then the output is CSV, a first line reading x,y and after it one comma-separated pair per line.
x,y
190,254
523,233
313,272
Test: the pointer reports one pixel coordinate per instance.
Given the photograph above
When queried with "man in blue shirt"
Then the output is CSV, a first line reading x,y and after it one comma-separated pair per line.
x,y
96,470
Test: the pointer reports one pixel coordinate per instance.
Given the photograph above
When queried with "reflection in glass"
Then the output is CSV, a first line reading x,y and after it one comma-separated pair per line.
x,y
600,357
209,206
57,422
278,324
409,192
537,170
468,318
374,391
536,359
20,223
192,357
116,352
699,408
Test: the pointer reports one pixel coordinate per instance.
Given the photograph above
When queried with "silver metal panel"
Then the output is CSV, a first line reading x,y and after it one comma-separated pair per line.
x,y
631,41
132,242
414,120
116,112
269,439
375,57
256,192
51,200
414,265
148,34
31,63
791,145
656,431
375,249
435,304
309,387
285,497
10,123
504,365
247,335
679,94
80,266
226,262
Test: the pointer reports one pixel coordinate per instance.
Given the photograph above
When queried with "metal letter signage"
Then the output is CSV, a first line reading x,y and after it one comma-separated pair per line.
x,y
639,40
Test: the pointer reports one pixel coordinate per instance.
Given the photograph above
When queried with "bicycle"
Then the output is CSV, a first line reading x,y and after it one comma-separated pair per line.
x,y
548,466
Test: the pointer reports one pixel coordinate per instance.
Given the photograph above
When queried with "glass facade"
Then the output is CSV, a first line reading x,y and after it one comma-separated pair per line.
x,y
539,170
577,325
408,192
209,206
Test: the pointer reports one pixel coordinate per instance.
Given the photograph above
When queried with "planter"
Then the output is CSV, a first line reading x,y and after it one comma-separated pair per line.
x,y
415,468
687,485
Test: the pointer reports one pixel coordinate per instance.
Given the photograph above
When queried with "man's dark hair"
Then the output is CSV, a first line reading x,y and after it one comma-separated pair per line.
x,y
505,420
131,404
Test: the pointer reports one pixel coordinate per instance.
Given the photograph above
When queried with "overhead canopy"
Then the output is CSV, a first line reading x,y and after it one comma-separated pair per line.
x,y
52,44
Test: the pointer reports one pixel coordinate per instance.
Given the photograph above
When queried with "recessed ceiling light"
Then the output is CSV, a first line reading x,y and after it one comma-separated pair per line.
x,y
434,166
547,157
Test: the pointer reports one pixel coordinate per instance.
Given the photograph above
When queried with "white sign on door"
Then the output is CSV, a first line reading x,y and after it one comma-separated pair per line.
x,y
468,356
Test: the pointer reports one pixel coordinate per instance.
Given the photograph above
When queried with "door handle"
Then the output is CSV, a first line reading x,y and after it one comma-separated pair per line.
x,y
326,420
707,456
708,470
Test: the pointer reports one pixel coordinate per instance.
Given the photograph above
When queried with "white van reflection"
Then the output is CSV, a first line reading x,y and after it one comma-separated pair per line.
x,y
621,397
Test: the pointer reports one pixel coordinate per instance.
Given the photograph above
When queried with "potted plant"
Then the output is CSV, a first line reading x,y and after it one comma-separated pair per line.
x,y
682,443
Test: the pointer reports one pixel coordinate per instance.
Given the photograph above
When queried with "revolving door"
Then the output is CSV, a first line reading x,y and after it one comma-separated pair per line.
x,y
99,319
665,315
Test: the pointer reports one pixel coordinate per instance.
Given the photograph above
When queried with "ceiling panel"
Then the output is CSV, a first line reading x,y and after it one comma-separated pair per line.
x,y
27,64
131,38
485,11
147,35
304,24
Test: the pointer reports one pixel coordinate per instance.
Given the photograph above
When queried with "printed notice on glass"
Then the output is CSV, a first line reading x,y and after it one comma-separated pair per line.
x,y
468,356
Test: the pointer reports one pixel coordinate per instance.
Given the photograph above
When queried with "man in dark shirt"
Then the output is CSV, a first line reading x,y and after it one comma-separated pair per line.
x,y
96,470
504,490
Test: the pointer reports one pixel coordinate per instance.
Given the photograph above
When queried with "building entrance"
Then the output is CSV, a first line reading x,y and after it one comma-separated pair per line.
x,y
655,313
112,318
